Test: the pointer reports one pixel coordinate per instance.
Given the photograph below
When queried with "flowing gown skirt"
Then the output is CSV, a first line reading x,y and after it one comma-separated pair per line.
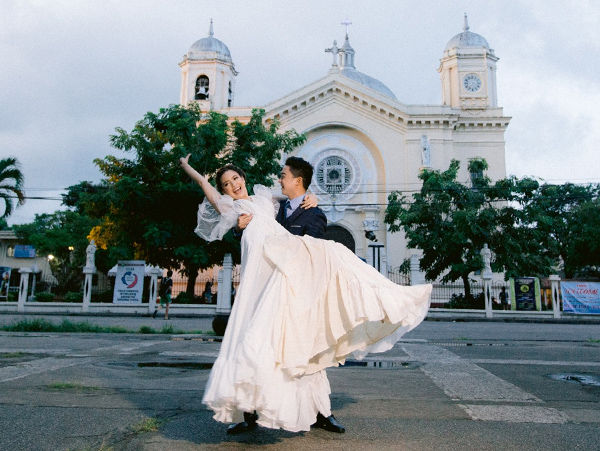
x,y
303,305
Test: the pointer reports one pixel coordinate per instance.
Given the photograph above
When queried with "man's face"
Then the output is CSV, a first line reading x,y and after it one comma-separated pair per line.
x,y
288,182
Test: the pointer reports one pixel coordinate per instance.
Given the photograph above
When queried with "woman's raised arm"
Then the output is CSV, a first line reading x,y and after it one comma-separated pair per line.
x,y
210,191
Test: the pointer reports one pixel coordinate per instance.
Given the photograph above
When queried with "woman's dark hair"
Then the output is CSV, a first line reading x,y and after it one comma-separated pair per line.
x,y
223,170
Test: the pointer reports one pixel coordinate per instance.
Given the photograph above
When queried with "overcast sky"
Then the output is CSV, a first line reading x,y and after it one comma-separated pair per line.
x,y
73,70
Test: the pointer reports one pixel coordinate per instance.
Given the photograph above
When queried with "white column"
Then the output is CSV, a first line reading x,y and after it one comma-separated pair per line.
x,y
224,293
23,289
154,273
487,293
554,284
416,276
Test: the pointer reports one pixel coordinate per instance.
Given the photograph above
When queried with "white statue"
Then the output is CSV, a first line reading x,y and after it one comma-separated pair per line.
x,y
90,257
425,151
486,256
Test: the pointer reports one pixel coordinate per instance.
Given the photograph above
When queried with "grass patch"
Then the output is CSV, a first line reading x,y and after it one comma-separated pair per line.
x,y
167,329
147,425
13,355
69,386
66,326
594,340
42,325
102,447
146,330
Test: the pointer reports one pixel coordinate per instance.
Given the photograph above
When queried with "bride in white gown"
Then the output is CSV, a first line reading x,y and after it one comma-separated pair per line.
x,y
303,304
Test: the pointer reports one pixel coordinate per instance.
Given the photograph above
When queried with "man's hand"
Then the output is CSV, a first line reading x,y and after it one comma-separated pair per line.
x,y
243,221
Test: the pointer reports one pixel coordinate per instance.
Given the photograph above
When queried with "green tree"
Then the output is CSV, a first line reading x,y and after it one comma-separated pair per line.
x,y
11,184
561,215
147,204
585,256
450,221
64,235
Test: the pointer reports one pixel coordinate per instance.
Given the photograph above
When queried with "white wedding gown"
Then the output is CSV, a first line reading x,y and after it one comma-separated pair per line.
x,y
303,304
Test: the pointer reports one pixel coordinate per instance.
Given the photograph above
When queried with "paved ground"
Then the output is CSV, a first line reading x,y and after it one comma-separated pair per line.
x,y
447,386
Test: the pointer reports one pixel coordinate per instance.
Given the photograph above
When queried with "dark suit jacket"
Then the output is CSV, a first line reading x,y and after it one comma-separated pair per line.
x,y
311,222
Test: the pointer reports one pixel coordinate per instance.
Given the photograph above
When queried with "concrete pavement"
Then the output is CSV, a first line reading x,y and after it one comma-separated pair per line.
x,y
447,386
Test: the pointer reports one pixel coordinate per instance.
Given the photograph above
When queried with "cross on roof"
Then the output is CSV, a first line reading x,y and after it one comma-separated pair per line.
x,y
347,23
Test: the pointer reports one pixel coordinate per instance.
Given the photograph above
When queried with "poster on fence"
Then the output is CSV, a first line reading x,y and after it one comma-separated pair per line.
x,y
581,297
129,282
525,292
5,281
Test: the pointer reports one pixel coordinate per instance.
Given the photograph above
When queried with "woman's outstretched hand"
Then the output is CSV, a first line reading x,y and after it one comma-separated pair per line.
x,y
185,160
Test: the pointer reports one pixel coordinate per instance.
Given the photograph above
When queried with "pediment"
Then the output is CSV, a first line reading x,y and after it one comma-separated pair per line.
x,y
337,89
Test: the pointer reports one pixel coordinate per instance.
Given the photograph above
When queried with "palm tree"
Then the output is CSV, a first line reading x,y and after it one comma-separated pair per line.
x,y
11,184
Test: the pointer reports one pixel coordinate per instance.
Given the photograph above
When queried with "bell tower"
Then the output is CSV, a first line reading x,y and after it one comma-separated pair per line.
x,y
208,74
468,72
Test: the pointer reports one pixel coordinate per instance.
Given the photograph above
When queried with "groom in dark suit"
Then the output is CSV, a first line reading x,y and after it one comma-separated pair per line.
x,y
295,178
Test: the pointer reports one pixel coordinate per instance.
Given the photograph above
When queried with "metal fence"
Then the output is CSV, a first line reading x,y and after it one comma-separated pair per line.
x,y
443,293
398,277
206,288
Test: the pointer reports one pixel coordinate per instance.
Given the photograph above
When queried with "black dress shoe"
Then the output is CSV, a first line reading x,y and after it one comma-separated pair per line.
x,y
329,424
247,425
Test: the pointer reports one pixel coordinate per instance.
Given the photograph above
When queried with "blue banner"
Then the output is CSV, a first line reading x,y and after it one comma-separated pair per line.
x,y
581,297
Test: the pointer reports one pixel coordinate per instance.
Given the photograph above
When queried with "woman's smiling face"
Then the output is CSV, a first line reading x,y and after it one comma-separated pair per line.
x,y
234,185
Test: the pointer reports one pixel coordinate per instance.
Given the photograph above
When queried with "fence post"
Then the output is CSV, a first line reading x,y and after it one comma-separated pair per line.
x,y
554,282
23,288
154,273
416,276
487,293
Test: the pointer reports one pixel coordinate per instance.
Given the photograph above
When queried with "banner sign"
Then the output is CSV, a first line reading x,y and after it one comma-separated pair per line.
x,y
129,282
581,297
4,281
24,251
526,293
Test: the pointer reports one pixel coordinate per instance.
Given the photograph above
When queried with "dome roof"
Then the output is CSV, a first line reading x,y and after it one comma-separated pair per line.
x,y
368,81
467,39
348,70
209,48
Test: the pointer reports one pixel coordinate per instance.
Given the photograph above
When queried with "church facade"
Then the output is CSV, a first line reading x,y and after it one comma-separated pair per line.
x,y
362,141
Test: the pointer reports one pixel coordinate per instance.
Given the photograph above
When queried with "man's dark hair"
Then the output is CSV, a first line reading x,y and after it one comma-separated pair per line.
x,y
223,170
300,168
169,273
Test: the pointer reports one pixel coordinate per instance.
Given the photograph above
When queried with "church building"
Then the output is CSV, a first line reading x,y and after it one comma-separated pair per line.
x,y
364,142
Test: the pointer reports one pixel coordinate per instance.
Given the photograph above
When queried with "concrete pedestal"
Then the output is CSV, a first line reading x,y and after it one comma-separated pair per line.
x,y
87,288
487,293
554,285
23,289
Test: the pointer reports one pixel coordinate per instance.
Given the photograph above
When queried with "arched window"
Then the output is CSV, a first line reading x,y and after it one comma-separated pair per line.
x,y
202,88
230,96
340,235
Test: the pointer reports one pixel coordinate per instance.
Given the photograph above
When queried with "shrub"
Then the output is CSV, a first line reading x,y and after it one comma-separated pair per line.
x,y
12,297
103,296
44,297
73,296
459,301
184,298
